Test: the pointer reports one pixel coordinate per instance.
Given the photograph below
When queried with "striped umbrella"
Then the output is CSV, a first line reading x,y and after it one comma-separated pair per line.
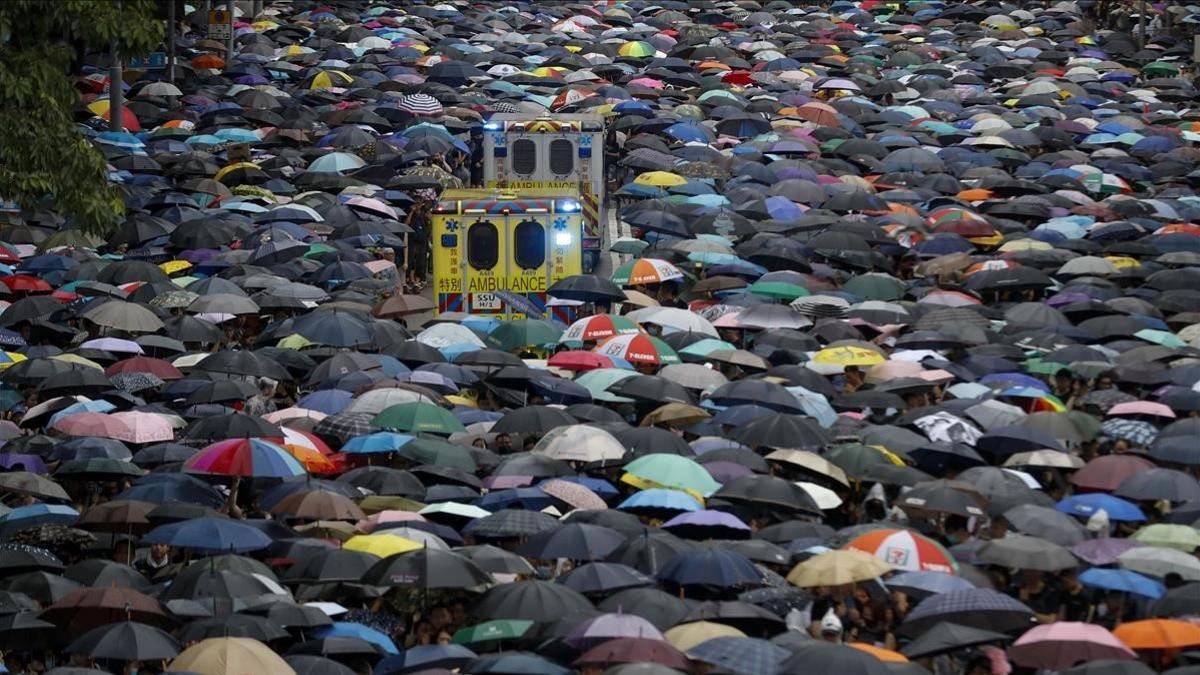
x,y
421,104
639,348
245,457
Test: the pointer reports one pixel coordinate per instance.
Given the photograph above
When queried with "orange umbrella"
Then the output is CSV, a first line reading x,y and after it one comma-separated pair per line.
x,y
208,61
1158,634
885,655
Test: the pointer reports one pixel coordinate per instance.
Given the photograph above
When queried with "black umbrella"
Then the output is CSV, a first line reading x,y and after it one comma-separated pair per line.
x,y
949,637
291,615
831,658
427,568
306,664
532,600
534,419
659,608
331,565
768,493
574,541
125,641
781,431
235,625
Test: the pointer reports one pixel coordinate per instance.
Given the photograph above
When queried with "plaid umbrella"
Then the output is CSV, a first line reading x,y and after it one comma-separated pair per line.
x,y
1105,398
345,425
510,523
1135,431
975,607
778,600
751,656
574,494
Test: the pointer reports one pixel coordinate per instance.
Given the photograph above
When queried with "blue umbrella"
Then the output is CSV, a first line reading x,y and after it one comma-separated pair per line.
x,y
1086,506
516,663
328,401
423,657
710,567
660,499
25,517
382,441
209,534
1122,580
358,630
531,499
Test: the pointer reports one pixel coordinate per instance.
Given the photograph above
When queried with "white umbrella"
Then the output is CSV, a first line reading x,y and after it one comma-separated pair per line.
x,y
674,318
580,443
445,334
1156,561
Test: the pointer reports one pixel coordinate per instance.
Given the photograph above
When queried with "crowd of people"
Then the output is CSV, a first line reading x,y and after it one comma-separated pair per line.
x,y
896,368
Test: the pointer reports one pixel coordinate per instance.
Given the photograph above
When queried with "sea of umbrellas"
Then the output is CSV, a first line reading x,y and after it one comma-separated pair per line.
x,y
897,373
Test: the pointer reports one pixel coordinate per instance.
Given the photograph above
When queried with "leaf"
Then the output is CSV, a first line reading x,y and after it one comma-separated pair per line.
x,y
43,157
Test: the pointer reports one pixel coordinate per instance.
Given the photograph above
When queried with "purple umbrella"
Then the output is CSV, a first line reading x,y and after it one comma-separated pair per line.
x,y
609,627
726,472
707,525
1103,551
12,461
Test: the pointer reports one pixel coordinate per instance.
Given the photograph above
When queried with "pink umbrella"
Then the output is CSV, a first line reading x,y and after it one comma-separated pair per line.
x,y
373,521
1060,645
92,424
144,427
372,205
1141,408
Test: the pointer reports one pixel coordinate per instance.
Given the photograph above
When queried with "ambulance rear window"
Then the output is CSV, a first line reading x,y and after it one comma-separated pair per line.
x,y
562,156
524,157
529,244
483,245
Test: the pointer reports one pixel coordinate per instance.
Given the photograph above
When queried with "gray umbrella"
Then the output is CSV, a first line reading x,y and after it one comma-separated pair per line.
x,y
1047,523
1019,551
121,315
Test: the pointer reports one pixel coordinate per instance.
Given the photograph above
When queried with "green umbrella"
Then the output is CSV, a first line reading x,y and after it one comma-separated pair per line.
x,y
1043,367
599,380
780,290
419,416
1182,537
672,472
439,453
524,333
499,629
875,287
705,347
629,246
1160,337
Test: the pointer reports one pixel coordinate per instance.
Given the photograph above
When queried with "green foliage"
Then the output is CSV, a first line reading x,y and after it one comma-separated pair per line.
x,y
42,156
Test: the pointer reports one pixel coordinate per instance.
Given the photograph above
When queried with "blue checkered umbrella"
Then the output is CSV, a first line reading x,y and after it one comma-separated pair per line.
x,y
976,607
1137,432
746,655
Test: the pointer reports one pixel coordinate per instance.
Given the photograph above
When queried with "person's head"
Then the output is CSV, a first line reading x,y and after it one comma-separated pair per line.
x,y
980,665
123,552
1104,381
956,529
439,617
266,386
444,637
831,627
159,551
853,374
503,442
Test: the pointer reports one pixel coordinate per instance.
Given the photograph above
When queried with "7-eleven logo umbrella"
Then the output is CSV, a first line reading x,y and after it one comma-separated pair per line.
x,y
906,550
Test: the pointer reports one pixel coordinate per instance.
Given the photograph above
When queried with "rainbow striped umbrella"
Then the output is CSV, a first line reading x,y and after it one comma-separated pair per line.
x,y
251,457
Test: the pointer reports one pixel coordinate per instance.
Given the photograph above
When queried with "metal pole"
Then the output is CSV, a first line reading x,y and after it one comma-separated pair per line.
x,y
229,44
207,8
171,41
1141,25
257,8
116,95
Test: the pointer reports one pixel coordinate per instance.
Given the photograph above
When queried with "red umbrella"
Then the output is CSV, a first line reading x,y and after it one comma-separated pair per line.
x,y
1105,473
579,360
635,650
161,369
27,284
86,608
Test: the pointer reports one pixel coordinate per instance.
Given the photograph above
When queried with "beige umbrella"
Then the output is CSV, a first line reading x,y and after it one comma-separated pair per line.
x,y
687,635
837,568
231,656
675,414
1052,459
811,462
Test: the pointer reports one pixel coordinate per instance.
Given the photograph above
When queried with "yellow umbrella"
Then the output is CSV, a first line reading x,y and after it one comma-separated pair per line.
x,y
1024,245
225,170
381,545
294,341
1123,262
231,656
687,635
78,360
848,355
9,358
662,179
175,266
837,568
811,462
